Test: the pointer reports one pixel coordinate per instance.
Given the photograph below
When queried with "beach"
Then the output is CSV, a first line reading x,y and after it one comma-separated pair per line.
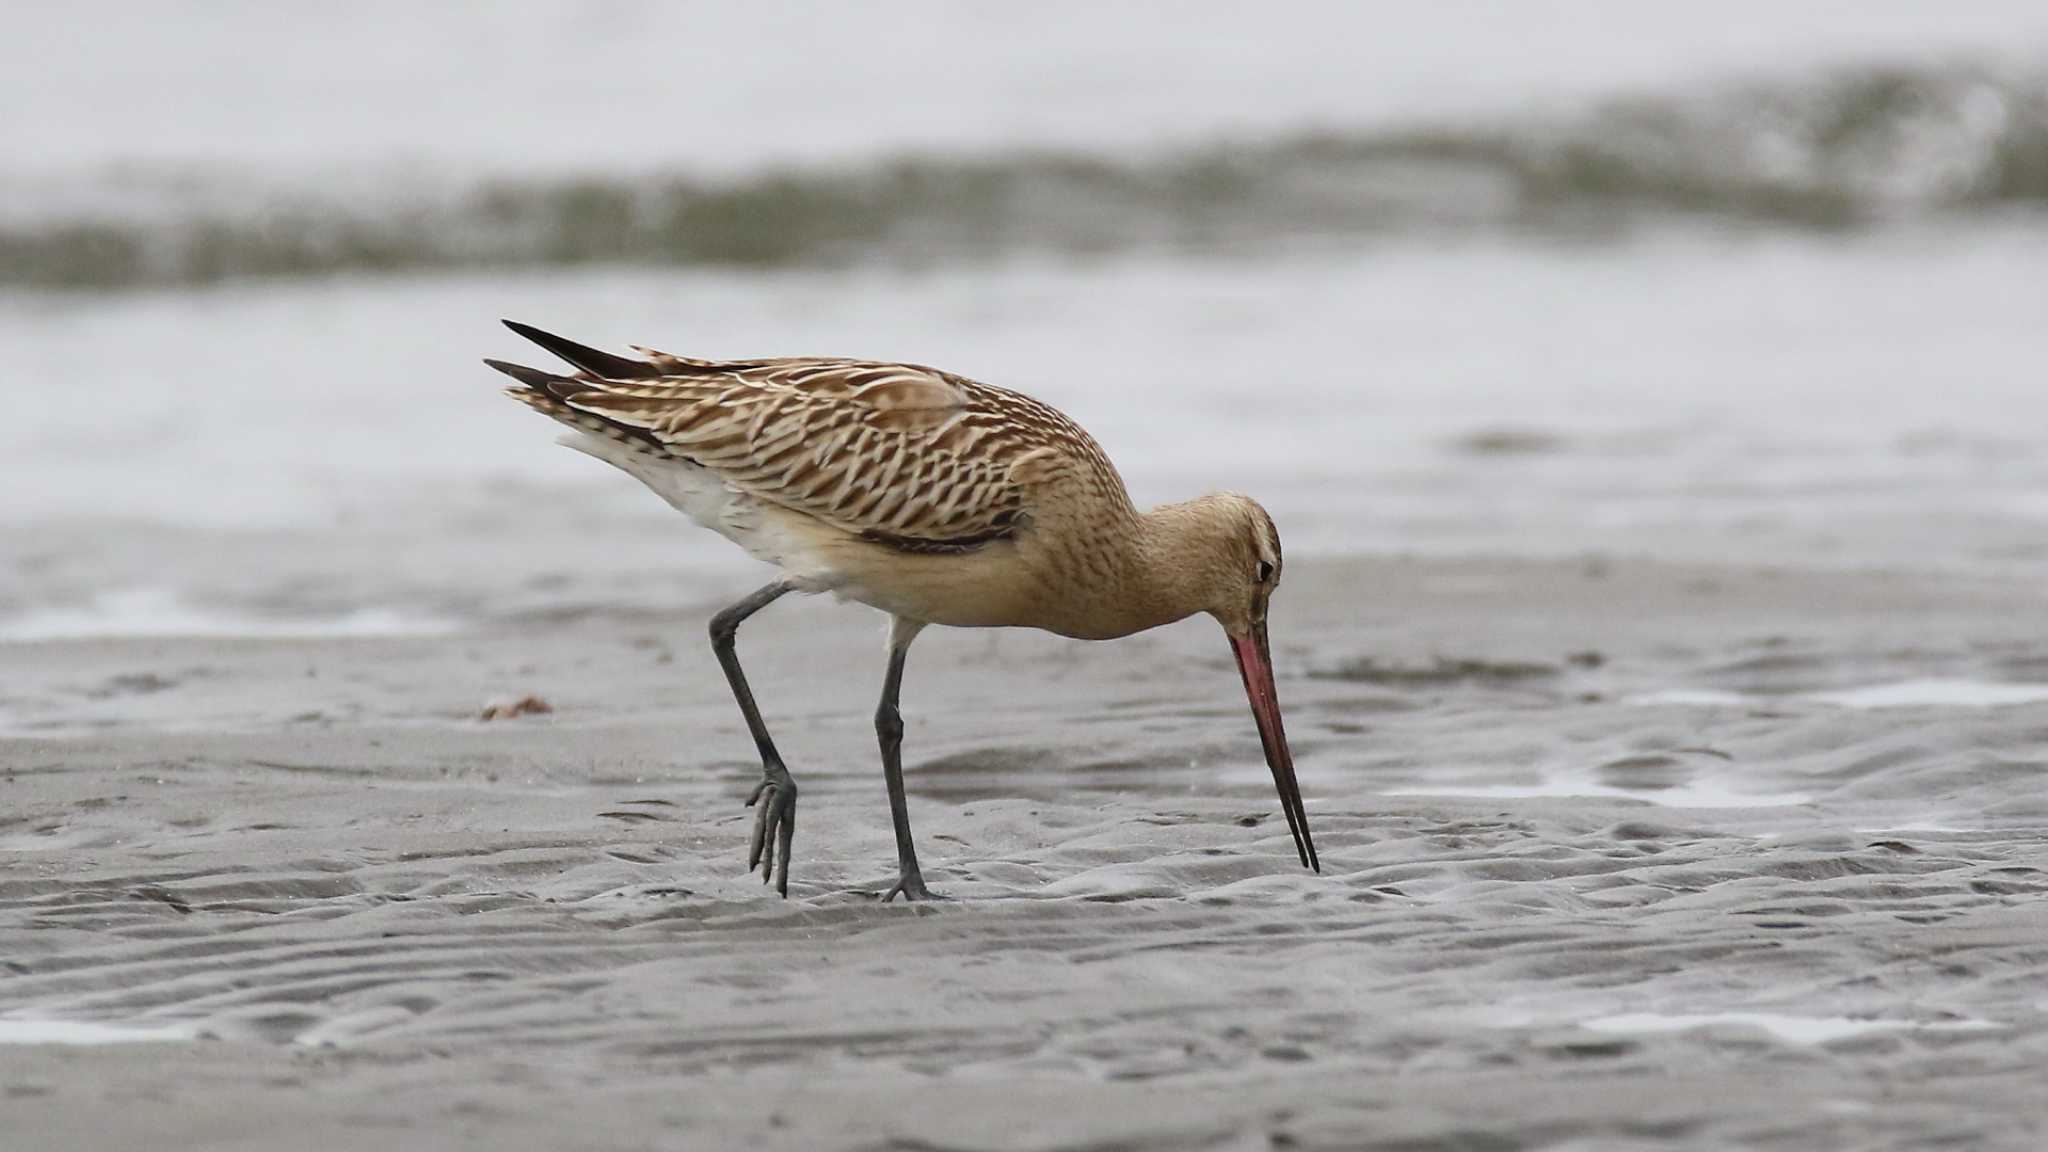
x,y
1613,855
1649,399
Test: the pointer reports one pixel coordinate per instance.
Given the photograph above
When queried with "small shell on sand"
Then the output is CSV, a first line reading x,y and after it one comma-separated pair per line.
x,y
506,707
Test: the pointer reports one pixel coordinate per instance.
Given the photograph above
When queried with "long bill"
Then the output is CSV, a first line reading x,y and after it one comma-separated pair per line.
x,y
1255,664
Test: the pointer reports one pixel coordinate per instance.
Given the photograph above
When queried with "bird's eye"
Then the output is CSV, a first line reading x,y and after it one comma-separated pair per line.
x,y
1265,572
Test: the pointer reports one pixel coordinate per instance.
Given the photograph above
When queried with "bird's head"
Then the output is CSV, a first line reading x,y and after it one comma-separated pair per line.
x,y
1236,566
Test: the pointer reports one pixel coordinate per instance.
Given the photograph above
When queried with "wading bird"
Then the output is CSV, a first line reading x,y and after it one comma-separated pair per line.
x,y
934,498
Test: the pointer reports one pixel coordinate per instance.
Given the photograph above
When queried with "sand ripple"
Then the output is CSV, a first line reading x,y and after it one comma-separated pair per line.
x,y
1531,930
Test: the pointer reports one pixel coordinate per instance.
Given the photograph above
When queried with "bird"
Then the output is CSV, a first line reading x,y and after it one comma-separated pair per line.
x,y
937,499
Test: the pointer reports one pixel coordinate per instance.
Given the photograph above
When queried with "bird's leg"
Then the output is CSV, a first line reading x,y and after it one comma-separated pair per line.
x,y
775,818
889,729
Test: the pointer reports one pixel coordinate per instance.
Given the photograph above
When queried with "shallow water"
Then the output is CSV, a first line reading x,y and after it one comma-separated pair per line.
x,y
145,611
1696,794
1936,694
1809,424
20,1030
1924,693
1791,1029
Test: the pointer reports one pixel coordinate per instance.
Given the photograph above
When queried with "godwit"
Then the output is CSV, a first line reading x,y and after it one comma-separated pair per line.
x,y
934,498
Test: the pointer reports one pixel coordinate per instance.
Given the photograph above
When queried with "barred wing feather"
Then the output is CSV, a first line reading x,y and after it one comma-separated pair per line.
x,y
899,453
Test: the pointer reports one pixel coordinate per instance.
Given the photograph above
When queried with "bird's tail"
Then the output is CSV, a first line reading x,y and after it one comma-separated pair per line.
x,y
554,396
605,366
602,365
600,396
545,402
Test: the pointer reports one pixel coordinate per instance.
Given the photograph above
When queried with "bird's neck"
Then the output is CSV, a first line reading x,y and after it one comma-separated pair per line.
x,y
1164,572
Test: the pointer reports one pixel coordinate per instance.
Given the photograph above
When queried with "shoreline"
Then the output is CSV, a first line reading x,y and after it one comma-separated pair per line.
x,y
388,920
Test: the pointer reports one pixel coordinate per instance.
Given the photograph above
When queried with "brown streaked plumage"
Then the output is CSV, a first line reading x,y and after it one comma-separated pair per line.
x,y
935,498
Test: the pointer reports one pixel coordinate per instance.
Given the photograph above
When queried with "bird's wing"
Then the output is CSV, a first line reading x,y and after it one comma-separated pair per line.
x,y
898,453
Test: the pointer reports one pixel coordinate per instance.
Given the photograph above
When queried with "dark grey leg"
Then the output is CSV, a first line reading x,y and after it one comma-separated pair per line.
x,y
889,729
775,818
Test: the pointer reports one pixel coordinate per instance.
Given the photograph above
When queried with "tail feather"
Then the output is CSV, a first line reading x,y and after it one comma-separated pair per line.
x,y
670,364
595,400
546,404
601,364
546,383
557,396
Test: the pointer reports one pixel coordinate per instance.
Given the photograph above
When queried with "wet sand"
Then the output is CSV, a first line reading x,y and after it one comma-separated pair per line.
x,y
1616,854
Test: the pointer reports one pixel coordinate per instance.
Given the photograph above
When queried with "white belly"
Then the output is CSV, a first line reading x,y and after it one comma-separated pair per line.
x,y
705,497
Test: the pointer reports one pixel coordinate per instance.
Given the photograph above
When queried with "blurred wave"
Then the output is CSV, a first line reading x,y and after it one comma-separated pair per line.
x,y
1850,150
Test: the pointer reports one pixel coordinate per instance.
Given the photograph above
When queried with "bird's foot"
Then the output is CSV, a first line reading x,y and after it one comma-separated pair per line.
x,y
911,886
774,804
